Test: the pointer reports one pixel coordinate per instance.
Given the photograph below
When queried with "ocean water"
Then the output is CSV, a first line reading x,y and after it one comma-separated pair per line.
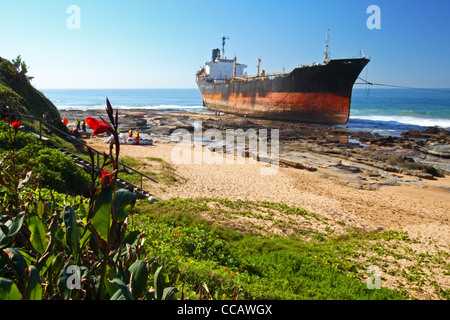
x,y
392,111
153,99
382,111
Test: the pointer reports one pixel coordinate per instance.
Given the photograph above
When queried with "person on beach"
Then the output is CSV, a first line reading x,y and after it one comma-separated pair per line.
x,y
136,136
75,133
130,133
77,122
83,126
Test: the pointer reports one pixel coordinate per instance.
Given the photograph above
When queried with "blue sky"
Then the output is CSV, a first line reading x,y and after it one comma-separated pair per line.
x,y
162,44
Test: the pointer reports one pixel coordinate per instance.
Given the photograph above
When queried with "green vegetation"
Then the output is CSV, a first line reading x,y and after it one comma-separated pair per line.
x,y
17,95
155,168
62,247
250,265
52,169
235,264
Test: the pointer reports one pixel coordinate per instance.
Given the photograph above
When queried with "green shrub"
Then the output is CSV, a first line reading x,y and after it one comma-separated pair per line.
x,y
20,140
60,172
57,171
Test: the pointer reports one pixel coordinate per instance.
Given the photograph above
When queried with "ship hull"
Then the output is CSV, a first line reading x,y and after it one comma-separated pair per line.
x,y
317,94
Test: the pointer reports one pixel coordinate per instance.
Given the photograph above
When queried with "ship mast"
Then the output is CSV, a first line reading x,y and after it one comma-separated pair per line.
x,y
326,47
257,70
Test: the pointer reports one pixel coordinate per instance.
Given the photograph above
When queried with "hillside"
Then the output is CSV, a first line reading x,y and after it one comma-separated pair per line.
x,y
19,95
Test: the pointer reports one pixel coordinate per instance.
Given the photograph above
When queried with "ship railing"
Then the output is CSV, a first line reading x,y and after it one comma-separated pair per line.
x,y
267,76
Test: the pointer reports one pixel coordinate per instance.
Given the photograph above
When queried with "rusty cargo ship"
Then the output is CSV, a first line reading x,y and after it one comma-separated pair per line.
x,y
318,93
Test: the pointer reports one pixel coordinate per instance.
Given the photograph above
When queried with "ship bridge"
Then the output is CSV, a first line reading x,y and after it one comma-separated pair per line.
x,y
223,69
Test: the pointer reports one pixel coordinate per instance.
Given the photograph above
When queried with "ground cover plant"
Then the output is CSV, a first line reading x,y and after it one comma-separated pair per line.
x,y
211,257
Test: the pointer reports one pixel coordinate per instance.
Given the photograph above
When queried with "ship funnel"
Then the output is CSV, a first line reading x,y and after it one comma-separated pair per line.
x,y
215,54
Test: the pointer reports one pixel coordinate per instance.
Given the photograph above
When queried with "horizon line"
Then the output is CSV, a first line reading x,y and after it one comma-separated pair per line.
x,y
116,88
194,88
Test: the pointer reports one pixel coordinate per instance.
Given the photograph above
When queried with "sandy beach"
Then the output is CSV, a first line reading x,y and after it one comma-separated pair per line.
x,y
419,210
417,205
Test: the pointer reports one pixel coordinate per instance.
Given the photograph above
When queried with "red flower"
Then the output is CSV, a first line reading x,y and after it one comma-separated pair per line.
x,y
97,126
15,125
106,177
176,233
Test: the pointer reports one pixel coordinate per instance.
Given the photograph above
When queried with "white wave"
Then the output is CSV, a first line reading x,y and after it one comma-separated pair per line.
x,y
163,106
423,122
81,108
125,107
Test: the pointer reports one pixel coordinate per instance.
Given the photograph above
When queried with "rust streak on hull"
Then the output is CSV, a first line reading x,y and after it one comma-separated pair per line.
x,y
303,107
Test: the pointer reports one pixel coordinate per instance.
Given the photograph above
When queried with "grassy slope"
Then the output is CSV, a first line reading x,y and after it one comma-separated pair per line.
x,y
253,266
29,98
